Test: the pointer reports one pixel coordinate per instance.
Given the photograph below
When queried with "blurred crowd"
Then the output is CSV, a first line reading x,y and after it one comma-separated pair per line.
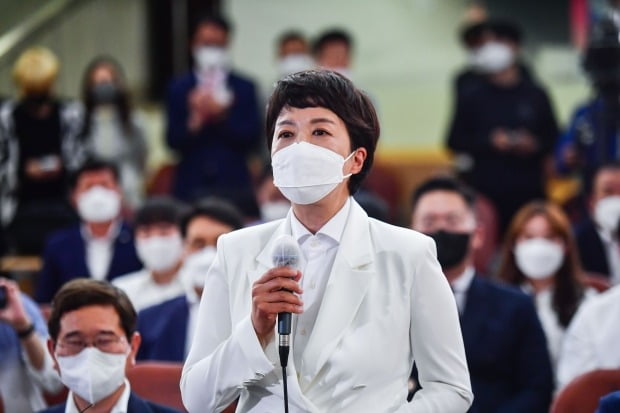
x,y
535,281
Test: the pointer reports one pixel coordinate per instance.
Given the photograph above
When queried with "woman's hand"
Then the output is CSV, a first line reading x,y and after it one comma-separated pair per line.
x,y
272,294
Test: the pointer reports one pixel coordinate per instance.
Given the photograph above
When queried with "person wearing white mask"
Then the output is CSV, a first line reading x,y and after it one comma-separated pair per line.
x,y
167,328
94,343
333,51
160,248
101,246
293,53
366,298
597,236
503,124
540,256
213,122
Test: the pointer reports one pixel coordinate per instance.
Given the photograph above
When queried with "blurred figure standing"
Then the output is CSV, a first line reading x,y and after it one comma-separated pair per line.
x,y
333,50
213,122
293,53
112,130
505,125
39,145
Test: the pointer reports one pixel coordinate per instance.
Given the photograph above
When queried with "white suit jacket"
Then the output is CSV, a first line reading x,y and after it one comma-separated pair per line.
x,y
386,304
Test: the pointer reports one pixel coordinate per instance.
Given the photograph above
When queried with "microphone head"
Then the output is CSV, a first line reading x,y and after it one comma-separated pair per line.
x,y
286,252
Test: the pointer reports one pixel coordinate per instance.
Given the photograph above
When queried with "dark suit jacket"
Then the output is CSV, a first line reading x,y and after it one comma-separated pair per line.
x,y
591,249
506,350
135,405
64,259
213,160
163,328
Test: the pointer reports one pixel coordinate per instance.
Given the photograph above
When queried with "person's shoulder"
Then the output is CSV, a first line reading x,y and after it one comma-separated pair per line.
x,y
136,404
502,291
388,236
60,237
132,279
259,233
181,82
604,301
241,78
165,307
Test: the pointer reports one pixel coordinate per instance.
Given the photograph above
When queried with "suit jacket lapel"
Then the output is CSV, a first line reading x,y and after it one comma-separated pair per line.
x,y
345,290
472,320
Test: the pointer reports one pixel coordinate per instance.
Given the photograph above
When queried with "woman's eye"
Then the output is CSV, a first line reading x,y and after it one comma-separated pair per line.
x,y
320,132
285,134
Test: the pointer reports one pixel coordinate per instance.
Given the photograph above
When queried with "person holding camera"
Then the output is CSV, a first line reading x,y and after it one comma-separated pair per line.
x,y
26,368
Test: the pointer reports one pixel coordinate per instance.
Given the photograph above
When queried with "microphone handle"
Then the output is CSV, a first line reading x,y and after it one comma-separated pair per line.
x,y
284,323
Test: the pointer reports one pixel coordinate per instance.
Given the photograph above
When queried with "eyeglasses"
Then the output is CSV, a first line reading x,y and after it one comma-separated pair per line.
x,y
108,343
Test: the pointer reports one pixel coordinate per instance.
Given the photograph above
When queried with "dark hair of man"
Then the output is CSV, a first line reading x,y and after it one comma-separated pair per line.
x,y
216,209
290,36
506,30
122,103
213,19
332,91
332,36
471,34
84,292
444,183
158,210
91,165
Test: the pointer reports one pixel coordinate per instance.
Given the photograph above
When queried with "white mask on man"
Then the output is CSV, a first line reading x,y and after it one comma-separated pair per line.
x,y
195,266
99,204
492,57
211,58
294,63
607,213
160,252
92,374
306,173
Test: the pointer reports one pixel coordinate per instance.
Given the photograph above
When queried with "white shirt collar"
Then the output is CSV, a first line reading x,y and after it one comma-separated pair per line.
x,y
462,282
121,405
332,228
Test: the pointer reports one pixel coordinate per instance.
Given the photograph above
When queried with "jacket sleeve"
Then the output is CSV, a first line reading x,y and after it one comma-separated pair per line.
x,y
222,358
533,376
436,341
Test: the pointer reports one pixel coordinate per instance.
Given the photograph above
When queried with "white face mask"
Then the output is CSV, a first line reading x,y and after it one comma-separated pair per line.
x,y
92,374
306,173
492,57
294,63
607,213
160,252
196,266
538,258
211,58
99,204
272,210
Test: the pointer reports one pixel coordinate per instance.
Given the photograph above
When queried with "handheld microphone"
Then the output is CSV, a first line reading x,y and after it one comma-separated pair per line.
x,y
286,253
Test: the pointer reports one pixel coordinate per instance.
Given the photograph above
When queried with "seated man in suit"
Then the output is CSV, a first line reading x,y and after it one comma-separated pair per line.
x,y
504,342
597,238
101,247
93,342
160,247
167,328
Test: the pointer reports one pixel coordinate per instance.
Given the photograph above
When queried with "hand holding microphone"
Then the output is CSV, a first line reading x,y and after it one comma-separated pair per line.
x,y
274,293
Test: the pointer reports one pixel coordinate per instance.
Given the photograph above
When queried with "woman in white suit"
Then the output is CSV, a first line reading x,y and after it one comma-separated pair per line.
x,y
368,299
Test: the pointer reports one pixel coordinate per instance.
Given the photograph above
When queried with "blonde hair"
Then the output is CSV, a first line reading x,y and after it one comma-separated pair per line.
x,y
36,70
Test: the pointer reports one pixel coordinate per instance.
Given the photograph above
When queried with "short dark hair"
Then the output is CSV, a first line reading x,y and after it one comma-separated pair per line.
x,y
161,209
91,165
329,90
332,36
506,29
444,183
471,34
214,19
84,292
214,208
291,35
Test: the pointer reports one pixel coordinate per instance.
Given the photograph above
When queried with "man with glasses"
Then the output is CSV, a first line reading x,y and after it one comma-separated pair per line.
x,y
93,343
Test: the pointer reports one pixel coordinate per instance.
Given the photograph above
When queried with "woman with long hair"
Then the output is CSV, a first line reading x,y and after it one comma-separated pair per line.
x,y
112,130
540,256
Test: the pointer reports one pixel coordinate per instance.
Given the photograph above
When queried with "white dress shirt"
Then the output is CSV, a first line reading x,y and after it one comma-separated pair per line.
x,y
460,286
99,251
319,252
119,407
612,251
144,292
592,340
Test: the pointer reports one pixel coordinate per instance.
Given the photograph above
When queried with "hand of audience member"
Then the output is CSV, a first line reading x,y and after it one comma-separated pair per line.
x,y
14,313
41,169
524,143
501,140
272,294
196,109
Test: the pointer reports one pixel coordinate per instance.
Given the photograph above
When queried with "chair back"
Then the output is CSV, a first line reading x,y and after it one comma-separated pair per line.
x,y
157,382
582,395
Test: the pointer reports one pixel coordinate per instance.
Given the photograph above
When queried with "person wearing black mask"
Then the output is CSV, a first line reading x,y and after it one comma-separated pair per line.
x,y
113,131
505,345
